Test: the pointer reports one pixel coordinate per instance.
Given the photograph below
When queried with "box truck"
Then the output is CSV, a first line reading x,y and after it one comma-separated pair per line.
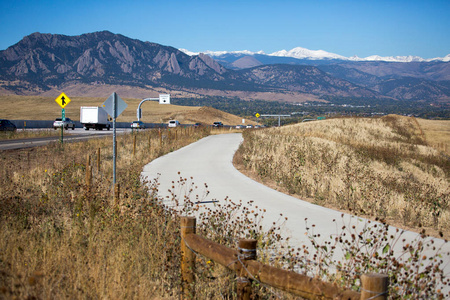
x,y
94,117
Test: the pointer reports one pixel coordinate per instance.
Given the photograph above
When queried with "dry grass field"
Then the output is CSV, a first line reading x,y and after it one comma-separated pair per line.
x,y
45,108
383,167
62,235
437,133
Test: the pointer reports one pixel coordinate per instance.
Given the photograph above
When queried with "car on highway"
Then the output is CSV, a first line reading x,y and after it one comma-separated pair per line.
x,y
7,125
137,125
68,123
240,126
173,123
217,124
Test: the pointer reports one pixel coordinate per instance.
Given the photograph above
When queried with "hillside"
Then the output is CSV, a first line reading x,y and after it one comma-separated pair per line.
x,y
45,108
387,168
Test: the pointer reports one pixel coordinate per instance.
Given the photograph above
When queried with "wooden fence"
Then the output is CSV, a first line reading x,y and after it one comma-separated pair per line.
x,y
243,262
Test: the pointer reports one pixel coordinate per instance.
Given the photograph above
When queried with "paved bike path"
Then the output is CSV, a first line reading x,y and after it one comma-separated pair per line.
x,y
210,161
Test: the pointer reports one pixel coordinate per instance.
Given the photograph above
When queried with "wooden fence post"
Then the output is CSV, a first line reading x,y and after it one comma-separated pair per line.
x,y
116,193
187,259
134,145
247,251
374,286
98,160
88,178
160,137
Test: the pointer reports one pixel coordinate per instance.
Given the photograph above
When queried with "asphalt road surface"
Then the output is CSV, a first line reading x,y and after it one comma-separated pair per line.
x,y
209,161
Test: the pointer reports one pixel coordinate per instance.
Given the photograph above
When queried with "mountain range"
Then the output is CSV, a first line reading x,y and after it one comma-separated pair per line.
x,y
94,63
303,53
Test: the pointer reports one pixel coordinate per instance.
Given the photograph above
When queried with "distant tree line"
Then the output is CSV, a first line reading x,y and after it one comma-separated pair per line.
x,y
337,106
237,106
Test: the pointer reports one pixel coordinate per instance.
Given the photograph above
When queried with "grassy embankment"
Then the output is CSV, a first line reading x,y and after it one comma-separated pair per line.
x,y
29,133
383,168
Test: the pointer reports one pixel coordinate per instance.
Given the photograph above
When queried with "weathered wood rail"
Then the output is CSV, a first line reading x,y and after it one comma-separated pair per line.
x,y
243,262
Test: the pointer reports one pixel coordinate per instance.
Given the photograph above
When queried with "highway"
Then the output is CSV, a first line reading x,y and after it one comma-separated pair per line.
x,y
209,161
78,134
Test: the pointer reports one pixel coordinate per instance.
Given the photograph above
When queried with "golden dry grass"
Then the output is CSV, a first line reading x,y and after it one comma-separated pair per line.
x,y
377,167
26,133
437,133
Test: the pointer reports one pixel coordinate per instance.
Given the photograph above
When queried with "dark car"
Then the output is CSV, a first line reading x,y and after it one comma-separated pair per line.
x,y
6,125
137,125
218,124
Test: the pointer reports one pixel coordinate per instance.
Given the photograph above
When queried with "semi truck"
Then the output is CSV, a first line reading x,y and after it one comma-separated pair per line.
x,y
94,117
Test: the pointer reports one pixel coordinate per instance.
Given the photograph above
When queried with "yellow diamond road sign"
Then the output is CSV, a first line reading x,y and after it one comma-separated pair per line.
x,y
62,100
257,115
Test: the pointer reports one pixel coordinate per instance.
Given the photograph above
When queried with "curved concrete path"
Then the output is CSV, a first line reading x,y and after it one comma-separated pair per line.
x,y
210,161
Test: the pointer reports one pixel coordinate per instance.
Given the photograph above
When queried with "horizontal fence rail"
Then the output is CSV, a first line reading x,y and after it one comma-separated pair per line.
x,y
243,262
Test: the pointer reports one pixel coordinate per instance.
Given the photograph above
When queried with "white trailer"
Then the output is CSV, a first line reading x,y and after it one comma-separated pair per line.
x,y
94,117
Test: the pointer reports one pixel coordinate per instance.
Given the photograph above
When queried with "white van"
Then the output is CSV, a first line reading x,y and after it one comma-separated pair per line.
x,y
174,123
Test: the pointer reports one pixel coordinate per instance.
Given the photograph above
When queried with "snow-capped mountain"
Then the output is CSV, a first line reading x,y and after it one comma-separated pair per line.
x,y
409,58
303,53
444,59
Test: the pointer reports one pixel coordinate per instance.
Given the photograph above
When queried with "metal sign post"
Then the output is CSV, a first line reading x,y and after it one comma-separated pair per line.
x,y
62,101
279,117
63,118
114,106
163,99
114,136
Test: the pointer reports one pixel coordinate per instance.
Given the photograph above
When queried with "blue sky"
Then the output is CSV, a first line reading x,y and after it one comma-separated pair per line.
x,y
363,28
